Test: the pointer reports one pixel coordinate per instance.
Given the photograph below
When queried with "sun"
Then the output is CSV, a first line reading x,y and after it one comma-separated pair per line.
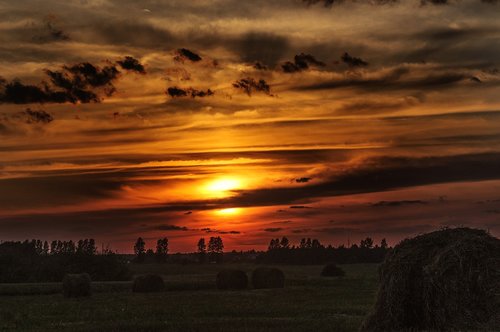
x,y
224,184
222,187
228,212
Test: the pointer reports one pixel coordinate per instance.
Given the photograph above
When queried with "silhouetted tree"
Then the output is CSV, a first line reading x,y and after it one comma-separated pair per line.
x,y
316,244
285,243
162,249
202,250
140,250
383,244
274,244
215,249
45,249
83,247
367,243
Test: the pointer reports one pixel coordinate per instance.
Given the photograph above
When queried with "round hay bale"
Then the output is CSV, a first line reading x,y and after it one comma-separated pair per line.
x,y
444,280
268,277
232,279
76,285
149,283
332,270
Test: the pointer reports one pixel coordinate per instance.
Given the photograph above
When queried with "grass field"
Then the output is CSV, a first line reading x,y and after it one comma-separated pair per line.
x,y
191,303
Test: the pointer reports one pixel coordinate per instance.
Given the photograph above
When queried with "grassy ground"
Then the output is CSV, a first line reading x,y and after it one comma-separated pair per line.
x,y
191,303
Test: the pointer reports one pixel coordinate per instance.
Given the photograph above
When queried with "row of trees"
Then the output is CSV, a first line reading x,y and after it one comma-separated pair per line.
x,y
214,251
311,251
57,247
37,261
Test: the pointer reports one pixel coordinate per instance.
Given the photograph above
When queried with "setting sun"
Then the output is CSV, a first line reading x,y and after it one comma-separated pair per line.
x,y
222,187
228,212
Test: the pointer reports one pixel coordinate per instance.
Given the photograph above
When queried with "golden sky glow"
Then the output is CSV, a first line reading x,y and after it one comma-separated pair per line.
x,y
248,120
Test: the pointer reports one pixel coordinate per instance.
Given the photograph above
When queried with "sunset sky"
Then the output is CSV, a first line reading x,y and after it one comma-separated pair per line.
x,y
247,120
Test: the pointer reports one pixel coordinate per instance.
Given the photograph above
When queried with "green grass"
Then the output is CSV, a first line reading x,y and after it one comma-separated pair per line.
x,y
191,303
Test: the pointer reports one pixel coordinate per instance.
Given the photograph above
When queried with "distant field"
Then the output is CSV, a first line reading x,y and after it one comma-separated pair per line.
x,y
191,303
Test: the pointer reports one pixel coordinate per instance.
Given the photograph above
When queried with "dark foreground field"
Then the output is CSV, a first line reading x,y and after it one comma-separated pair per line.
x,y
191,303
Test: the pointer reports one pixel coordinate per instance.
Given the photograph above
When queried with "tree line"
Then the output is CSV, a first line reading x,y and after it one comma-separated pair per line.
x,y
311,251
211,252
39,261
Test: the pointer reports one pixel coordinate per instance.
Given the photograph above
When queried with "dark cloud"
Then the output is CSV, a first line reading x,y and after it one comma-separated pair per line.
x,y
382,174
171,228
326,3
301,231
129,32
330,3
300,207
375,106
399,203
250,85
435,2
216,231
82,83
130,63
37,116
301,62
273,229
353,61
51,31
185,54
265,48
176,92
259,66
302,180
396,79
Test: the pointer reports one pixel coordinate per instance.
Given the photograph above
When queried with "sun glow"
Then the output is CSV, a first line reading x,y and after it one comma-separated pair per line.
x,y
228,212
222,187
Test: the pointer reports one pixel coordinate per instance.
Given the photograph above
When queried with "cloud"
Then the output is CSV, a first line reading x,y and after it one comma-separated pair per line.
x,y
259,66
326,3
381,174
176,92
37,116
82,82
130,63
273,229
398,78
353,61
301,62
185,54
172,228
265,48
216,231
51,31
250,85
302,180
399,203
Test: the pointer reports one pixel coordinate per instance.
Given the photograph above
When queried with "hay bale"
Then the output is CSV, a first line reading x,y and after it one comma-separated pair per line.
x,y
444,280
76,285
232,279
267,277
332,270
149,283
